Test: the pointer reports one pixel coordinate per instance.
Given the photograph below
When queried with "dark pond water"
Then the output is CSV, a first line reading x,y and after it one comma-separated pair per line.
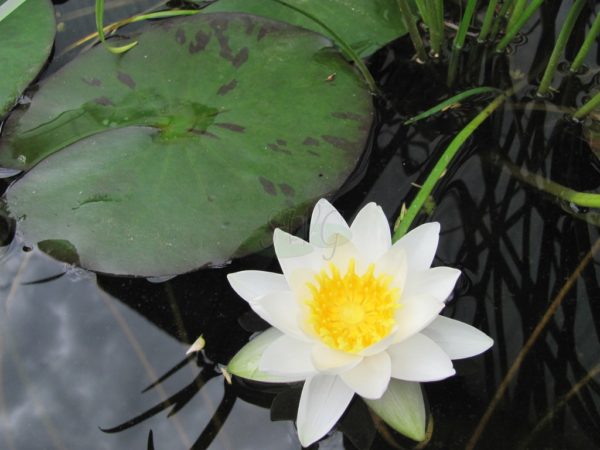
x,y
98,362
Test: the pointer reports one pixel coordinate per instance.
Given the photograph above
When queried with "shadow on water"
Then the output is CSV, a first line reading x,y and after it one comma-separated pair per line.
x,y
99,362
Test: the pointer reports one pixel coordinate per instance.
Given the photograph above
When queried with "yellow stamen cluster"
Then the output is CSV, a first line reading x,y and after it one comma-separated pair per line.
x,y
350,312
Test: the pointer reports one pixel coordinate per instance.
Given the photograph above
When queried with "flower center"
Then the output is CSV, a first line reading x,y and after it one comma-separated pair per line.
x,y
350,312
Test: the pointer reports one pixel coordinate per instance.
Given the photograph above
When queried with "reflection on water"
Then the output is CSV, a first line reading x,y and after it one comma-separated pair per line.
x,y
77,352
75,360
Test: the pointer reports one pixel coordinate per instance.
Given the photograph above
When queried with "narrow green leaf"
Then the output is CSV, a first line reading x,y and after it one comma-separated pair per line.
x,y
402,407
451,101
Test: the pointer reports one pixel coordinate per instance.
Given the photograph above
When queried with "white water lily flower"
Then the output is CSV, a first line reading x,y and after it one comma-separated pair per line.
x,y
351,311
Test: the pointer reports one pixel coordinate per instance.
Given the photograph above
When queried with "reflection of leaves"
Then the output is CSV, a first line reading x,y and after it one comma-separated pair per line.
x,y
181,398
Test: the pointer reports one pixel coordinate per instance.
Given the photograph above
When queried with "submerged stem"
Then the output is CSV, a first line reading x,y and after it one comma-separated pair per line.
x,y
409,21
561,42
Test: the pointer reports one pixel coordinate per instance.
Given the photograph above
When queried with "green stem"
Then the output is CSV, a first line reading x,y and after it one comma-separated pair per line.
x,y
100,28
438,13
499,18
432,13
561,42
516,12
438,170
450,102
345,47
465,23
588,107
587,45
584,199
510,34
487,21
409,21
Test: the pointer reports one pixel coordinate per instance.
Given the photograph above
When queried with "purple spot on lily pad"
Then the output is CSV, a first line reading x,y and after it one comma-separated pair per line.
x,y
339,142
104,101
348,116
240,58
287,190
231,127
92,81
180,36
227,87
268,186
278,149
201,41
203,133
311,141
126,80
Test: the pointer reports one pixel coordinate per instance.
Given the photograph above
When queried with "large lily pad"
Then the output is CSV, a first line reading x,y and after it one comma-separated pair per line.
x,y
366,25
189,148
26,38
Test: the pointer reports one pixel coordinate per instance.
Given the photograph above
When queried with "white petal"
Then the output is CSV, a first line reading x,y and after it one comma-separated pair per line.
x,y
288,357
252,284
394,263
281,310
414,314
329,360
323,401
371,377
326,222
294,253
456,338
420,245
371,232
419,359
437,282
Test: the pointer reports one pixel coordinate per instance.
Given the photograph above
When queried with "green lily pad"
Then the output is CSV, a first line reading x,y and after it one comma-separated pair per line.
x,y
188,149
365,25
26,37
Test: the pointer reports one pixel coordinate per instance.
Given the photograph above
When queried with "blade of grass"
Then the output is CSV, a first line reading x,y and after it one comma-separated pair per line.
x,y
465,23
451,101
487,21
112,27
523,18
100,28
587,45
413,31
403,224
504,9
559,47
578,198
516,12
344,46
588,107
